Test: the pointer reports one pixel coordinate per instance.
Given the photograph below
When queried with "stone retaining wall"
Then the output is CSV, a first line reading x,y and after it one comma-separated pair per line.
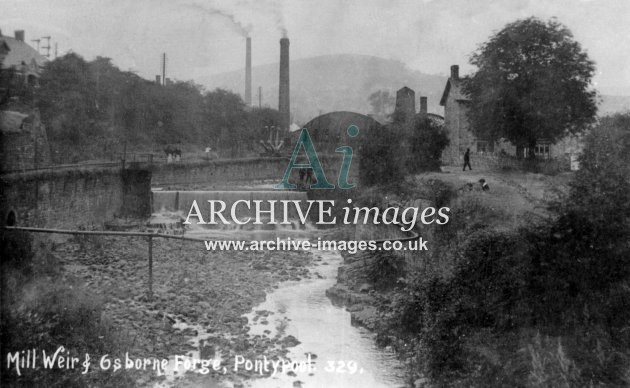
x,y
80,198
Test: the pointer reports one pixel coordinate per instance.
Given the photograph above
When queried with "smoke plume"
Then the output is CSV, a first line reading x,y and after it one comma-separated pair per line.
x,y
238,27
276,9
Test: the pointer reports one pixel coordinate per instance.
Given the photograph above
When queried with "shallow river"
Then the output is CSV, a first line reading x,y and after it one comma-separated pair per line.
x,y
346,356
341,355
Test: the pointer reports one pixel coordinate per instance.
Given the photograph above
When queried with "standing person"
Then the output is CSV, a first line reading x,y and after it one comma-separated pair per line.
x,y
467,159
302,172
309,175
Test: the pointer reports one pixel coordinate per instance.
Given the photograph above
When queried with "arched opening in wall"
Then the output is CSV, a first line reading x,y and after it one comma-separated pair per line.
x,y
11,219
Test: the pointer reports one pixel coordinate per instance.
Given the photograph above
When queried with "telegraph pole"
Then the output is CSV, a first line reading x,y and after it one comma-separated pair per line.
x,y
36,41
163,69
47,46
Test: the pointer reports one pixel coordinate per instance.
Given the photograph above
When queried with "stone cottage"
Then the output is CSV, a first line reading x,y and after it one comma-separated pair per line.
x,y
456,104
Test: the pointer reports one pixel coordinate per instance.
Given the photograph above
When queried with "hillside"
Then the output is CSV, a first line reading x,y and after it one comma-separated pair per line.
x,y
613,104
345,81
332,82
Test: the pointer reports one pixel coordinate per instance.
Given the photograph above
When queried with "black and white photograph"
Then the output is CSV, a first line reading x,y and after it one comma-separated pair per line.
x,y
315,194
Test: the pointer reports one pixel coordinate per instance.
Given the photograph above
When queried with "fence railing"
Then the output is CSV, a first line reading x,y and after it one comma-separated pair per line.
x,y
54,167
120,161
498,161
394,235
149,236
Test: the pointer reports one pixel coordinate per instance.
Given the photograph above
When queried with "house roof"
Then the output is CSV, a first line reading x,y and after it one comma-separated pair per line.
x,y
406,90
339,121
330,130
20,54
455,86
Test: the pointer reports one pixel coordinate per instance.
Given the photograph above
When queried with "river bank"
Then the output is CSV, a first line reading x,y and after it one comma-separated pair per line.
x,y
377,287
354,291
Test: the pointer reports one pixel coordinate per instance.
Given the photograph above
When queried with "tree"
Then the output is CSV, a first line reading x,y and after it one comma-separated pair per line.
x,y
226,116
583,262
382,103
96,110
427,139
600,191
533,82
379,157
66,99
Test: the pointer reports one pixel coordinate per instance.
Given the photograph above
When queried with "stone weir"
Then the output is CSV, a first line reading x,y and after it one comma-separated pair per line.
x,y
220,174
241,205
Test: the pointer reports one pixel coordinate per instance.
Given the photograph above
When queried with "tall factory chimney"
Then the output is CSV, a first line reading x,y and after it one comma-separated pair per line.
x,y
248,71
284,96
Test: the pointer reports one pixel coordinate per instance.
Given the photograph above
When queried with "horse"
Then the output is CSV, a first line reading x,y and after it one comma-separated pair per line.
x,y
173,151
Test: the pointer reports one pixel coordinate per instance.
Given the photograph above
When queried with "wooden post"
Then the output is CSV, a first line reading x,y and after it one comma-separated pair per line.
x,y
150,268
124,158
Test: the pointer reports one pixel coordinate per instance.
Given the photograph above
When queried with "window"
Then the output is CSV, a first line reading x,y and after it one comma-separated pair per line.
x,y
484,147
542,150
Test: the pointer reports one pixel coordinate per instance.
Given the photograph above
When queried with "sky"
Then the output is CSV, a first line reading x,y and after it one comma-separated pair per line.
x,y
203,37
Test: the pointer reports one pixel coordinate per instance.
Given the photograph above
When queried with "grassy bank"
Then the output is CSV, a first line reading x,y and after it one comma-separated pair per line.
x,y
527,285
41,309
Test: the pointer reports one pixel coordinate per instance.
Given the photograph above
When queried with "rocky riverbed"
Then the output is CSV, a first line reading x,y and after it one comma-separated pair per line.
x,y
199,298
355,290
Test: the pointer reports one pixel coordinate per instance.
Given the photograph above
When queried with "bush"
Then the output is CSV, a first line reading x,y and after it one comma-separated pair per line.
x,y
438,192
505,283
402,147
384,268
484,291
601,188
567,279
42,311
379,158
428,140
586,253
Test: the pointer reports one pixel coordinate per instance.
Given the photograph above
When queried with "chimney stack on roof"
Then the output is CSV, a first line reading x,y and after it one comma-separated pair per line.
x,y
423,105
158,79
19,35
405,103
455,72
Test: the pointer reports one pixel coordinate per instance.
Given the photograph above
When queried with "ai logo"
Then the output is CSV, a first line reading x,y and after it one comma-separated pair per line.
x,y
313,163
